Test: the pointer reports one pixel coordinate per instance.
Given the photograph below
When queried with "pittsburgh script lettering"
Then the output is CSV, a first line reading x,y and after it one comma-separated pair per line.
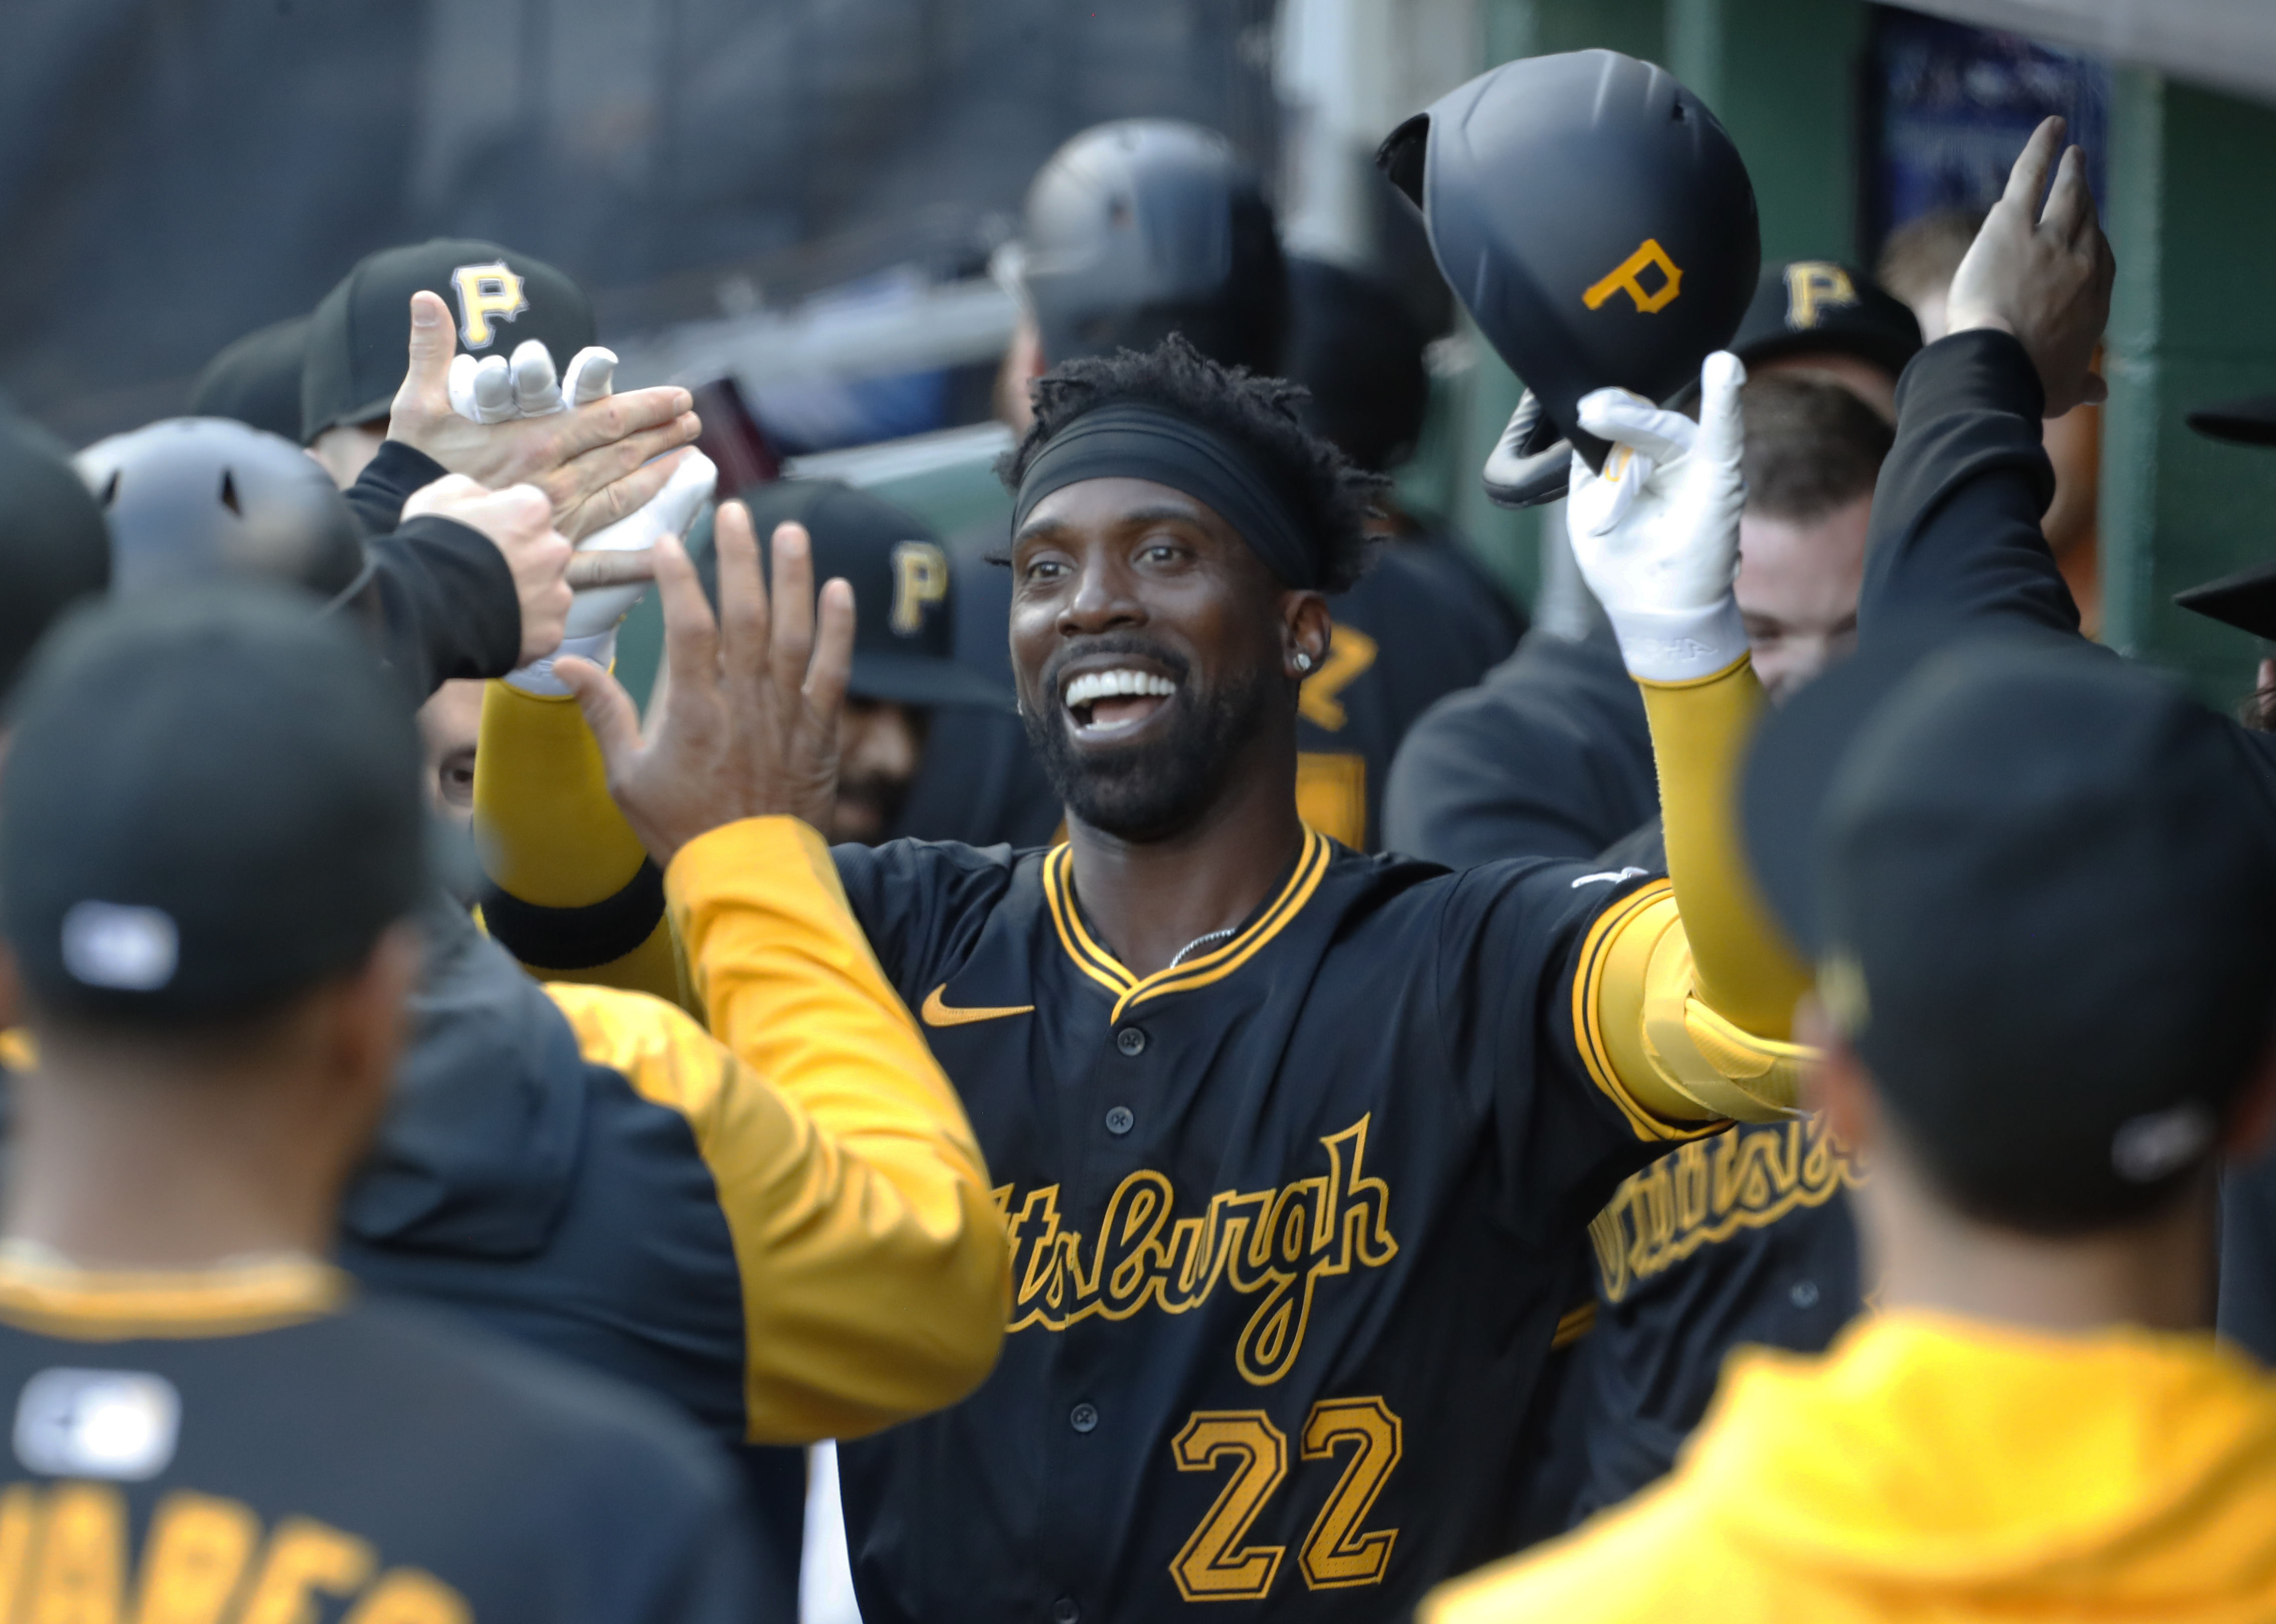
x,y
1273,1244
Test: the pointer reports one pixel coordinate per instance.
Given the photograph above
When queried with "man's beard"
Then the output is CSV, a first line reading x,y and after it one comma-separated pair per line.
x,y
1151,789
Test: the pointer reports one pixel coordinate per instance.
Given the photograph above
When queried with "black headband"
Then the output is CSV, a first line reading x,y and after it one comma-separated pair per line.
x,y
1127,440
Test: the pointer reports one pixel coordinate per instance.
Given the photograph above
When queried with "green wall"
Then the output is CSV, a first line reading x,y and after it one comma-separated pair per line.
x,y
2191,216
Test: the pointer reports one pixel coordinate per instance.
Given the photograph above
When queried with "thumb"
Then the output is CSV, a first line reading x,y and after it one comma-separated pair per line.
x,y
609,710
432,339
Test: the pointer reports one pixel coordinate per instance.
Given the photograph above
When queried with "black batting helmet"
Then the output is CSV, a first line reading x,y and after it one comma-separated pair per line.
x,y
1145,227
191,499
1594,219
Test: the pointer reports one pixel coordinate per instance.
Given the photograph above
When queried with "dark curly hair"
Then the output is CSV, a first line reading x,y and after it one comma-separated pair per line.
x,y
1330,495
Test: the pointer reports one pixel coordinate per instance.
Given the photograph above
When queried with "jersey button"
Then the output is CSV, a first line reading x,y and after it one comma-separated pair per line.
x,y
1083,1417
1120,1121
1065,1611
1131,1041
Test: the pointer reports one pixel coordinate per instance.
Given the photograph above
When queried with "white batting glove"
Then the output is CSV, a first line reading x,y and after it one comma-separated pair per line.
x,y
596,612
1656,534
495,390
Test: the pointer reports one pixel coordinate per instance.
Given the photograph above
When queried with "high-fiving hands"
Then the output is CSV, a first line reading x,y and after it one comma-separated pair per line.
x,y
2042,276
595,463
1656,534
745,722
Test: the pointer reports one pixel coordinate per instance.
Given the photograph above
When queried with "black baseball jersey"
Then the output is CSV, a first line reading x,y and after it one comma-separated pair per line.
x,y
1293,1223
1745,1239
178,1441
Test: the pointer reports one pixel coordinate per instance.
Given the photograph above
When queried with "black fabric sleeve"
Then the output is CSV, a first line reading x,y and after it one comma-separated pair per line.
x,y
386,483
1955,532
446,602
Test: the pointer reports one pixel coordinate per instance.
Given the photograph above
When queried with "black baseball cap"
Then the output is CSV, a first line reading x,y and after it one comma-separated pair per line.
x,y
358,336
54,548
257,379
211,804
1810,306
2249,421
2039,890
902,580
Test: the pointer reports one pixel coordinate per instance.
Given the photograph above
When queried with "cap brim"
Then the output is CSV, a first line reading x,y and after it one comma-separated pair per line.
x,y
923,680
2244,422
1890,354
2246,600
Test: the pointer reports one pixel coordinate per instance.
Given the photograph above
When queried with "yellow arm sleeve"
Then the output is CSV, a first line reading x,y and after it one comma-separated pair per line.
x,y
1684,999
874,1269
580,900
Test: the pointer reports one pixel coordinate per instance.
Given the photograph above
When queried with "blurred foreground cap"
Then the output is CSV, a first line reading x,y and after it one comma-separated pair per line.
x,y
212,803
2039,886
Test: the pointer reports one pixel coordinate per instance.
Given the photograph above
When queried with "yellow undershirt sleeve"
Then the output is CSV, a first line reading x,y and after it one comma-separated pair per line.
x,y
874,1269
552,837
1684,998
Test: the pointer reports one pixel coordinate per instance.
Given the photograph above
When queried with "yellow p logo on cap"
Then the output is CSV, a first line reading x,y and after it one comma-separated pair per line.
x,y
1812,285
920,580
486,294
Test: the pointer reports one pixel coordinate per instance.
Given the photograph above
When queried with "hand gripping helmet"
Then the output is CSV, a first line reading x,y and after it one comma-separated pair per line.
x,y
193,499
1144,227
1597,224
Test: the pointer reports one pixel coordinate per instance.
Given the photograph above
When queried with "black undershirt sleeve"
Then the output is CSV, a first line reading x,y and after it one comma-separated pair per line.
x,y
386,483
1955,531
447,603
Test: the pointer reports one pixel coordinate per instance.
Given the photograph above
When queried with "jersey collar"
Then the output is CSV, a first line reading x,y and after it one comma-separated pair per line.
x,y
1130,990
57,1299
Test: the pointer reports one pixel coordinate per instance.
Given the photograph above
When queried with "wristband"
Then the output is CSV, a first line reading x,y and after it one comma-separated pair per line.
x,y
1680,646
537,676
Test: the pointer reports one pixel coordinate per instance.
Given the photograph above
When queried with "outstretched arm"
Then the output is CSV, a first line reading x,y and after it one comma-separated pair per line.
x,y
1685,992
874,1265
1956,533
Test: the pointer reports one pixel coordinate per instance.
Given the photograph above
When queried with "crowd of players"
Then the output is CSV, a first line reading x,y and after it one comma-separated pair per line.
x,y
1219,1065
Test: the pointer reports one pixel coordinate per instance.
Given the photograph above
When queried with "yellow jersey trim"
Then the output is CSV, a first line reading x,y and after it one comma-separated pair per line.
x,y
1588,1029
1103,968
1573,1325
102,1305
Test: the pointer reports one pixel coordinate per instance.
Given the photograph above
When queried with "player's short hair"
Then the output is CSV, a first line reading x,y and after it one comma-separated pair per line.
x,y
1331,497
1918,261
1813,445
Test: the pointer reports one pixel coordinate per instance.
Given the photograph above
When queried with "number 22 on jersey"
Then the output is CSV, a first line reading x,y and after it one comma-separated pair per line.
x,y
1215,1565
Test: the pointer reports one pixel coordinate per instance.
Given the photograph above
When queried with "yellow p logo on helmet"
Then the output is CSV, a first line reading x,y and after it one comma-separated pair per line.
x,y
486,294
920,580
1627,277
1812,285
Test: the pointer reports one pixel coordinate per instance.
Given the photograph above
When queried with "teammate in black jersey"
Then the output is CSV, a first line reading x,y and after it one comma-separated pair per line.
x,y
201,1409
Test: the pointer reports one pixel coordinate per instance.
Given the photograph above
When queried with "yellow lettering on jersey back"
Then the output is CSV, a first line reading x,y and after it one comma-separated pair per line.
x,y
920,581
487,294
1331,794
305,1559
80,1574
19,1510
1708,1190
1350,653
407,1596
1813,286
1627,277
194,1559
1274,1244
63,1560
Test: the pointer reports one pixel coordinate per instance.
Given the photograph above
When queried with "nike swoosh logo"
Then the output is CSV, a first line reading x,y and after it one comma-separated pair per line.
x,y
937,1012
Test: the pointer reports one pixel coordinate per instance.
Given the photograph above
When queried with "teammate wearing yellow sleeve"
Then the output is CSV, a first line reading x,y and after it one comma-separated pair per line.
x,y
1295,1148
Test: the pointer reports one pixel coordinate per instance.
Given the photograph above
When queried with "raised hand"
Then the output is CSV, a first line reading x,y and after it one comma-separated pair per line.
x,y
518,522
2042,276
1656,534
745,722
595,463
